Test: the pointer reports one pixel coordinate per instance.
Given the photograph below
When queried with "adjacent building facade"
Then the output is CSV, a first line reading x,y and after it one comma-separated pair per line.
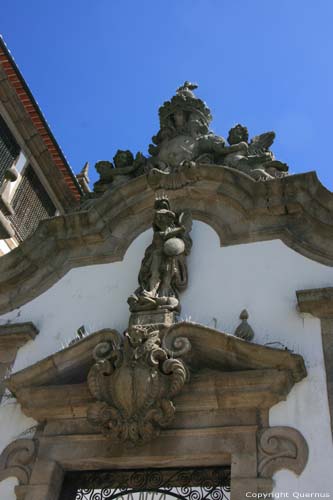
x,y
173,336
36,181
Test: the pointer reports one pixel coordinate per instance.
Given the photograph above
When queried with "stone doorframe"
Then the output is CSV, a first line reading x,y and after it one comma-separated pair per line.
x,y
221,417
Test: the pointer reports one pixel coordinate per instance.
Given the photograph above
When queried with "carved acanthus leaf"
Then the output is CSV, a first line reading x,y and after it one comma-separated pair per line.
x,y
17,460
281,448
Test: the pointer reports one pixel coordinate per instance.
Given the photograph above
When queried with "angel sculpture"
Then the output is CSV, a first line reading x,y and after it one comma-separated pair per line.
x,y
163,272
124,168
252,158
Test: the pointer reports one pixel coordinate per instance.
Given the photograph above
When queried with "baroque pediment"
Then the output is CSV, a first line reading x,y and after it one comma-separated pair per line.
x,y
199,346
193,367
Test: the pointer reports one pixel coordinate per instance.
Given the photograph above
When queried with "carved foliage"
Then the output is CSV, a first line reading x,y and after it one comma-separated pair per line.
x,y
133,384
281,448
17,460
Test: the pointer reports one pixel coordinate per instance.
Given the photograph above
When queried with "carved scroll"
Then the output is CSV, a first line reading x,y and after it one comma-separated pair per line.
x,y
281,448
17,460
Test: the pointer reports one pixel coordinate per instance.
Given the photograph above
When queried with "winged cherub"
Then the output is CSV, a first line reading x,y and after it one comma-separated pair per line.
x,y
254,158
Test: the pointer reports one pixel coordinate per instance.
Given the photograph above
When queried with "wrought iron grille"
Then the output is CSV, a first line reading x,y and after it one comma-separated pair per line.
x,y
209,483
31,204
9,149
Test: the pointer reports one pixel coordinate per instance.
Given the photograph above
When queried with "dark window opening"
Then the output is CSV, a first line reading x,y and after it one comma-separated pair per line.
x,y
198,483
9,149
31,204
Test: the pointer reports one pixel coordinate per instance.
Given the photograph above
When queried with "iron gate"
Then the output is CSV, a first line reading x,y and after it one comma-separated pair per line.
x,y
209,483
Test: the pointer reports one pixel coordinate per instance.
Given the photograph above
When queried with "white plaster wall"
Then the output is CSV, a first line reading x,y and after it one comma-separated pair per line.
x,y
261,277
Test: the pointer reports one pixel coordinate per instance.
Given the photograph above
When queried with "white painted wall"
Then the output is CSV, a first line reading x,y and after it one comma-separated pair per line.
x,y
261,277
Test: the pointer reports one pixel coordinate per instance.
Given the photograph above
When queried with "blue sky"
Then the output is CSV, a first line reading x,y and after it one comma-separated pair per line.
x,y
100,70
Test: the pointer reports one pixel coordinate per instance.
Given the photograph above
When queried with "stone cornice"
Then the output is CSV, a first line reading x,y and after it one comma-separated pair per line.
x,y
317,301
296,209
12,337
17,334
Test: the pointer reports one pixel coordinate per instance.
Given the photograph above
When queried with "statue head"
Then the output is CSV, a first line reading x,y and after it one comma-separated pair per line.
x,y
175,115
123,158
237,134
162,203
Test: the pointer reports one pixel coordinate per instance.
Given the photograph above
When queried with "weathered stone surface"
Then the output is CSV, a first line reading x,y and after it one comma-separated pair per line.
x,y
319,303
296,209
221,418
244,330
281,446
17,459
163,272
133,383
12,337
184,140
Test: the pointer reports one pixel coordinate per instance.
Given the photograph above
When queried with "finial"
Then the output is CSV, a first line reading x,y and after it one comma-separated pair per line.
x,y
186,89
83,178
244,330
85,169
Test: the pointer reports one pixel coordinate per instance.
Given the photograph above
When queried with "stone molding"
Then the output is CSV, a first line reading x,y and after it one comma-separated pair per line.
x,y
15,335
12,337
17,460
319,303
255,454
316,301
221,413
296,209
281,448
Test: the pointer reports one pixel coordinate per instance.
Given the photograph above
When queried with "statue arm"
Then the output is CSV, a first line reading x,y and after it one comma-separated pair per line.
x,y
234,148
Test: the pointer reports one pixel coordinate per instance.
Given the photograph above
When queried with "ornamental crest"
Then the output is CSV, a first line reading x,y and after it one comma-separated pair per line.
x,y
134,383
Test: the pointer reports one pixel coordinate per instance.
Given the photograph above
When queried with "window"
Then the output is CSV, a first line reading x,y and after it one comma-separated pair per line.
x,y
9,149
31,204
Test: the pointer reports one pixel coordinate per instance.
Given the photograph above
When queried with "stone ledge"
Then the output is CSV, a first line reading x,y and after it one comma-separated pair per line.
x,y
15,335
12,337
316,301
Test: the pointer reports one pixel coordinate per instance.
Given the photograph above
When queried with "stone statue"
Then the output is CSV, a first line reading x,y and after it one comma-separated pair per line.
x,y
124,168
184,132
163,270
253,158
183,141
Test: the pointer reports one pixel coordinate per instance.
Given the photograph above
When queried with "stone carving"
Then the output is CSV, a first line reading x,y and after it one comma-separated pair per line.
x,y
252,158
186,173
134,383
17,460
281,448
163,272
184,132
124,168
183,141
244,330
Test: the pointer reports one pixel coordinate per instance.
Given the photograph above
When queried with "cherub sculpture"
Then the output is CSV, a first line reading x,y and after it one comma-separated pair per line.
x,y
163,270
252,158
124,168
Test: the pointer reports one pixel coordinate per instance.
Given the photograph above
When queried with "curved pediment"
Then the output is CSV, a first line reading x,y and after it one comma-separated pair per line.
x,y
296,209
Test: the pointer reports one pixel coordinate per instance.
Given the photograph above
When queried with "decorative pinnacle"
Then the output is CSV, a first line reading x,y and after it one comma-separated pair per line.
x,y
244,330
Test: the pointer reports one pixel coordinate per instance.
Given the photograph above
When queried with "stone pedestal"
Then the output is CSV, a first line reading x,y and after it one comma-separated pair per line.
x,y
159,318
